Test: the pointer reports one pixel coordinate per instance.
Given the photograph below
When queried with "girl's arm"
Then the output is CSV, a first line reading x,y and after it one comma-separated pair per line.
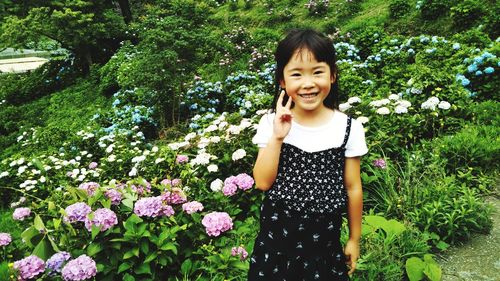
x,y
352,182
266,166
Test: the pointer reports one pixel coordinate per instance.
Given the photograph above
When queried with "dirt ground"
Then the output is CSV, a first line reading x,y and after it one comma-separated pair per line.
x,y
479,258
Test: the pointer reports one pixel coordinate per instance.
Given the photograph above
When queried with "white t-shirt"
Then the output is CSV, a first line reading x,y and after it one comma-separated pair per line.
x,y
312,139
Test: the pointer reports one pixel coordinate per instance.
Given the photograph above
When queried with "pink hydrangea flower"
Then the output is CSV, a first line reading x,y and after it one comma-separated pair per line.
x,y
152,207
239,251
166,182
81,268
21,213
90,187
217,222
77,212
176,182
230,186
140,189
176,196
29,267
379,163
244,181
114,195
192,207
103,218
5,239
92,165
181,159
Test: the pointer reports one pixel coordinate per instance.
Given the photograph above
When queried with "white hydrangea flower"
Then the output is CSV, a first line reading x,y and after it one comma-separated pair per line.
x,y
190,136
4,174
211,128
109,149
138,159
354,100
393,97
154,149
111,158
215,139
363,119
444,105
212,168
216,185
383,111
42,179
159,160
430,103
344,106
403,103
400,109
222,125
238,154
233,129
133,172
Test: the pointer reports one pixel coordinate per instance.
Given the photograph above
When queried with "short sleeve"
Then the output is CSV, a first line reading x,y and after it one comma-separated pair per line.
x,y
356,144
264,130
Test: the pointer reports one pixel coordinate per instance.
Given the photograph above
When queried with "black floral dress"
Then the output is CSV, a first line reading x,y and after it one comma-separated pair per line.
x,y
301,218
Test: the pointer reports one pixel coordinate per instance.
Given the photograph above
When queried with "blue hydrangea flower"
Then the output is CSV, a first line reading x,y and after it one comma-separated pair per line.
x,y
194,106
456,46
489,70
479,73
471,68
465,82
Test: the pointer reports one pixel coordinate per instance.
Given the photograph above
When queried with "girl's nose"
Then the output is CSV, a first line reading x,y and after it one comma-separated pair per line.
x,y
308,83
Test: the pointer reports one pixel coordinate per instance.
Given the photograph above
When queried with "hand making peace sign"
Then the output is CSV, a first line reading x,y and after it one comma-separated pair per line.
x,y
283,118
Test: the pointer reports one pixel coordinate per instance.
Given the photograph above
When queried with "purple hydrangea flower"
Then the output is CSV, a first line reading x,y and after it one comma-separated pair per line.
x,y
103,218
54,264
176,182
140,189
230,186
77,212
90,187
81,268
217,222
152,207
29,267
244,181
21,213
5,239
239,251
192,207
166,182
176,196
181,159
114,195
379,163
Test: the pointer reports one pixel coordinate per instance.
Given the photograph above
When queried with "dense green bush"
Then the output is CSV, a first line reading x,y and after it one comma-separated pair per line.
x,y
399,8
467,14
433,9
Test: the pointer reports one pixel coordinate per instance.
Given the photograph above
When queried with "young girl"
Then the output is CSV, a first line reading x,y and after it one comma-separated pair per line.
x,y
308,164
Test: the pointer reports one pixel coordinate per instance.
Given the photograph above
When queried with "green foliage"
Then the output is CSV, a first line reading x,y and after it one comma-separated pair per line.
x,y
417,268
433,9
399,8
467,13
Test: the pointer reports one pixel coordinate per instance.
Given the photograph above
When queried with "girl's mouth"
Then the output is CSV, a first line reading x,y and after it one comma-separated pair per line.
x,y
308,96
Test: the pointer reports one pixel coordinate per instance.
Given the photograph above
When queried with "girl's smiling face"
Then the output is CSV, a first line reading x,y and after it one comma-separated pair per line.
x,y
307,81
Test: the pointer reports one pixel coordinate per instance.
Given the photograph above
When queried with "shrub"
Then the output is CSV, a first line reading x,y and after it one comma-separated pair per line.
x,y
399,8
467,14
433,9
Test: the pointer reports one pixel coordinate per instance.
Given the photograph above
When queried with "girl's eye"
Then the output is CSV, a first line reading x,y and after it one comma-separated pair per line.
x,y
295,74
318,72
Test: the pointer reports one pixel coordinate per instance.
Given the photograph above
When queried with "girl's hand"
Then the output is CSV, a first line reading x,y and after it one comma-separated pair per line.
x,y
351,252
283,118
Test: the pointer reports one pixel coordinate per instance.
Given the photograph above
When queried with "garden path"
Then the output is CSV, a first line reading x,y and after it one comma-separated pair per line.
x,y
479,258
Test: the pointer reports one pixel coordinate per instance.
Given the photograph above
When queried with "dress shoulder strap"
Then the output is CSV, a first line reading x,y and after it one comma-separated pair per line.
x,y
347,131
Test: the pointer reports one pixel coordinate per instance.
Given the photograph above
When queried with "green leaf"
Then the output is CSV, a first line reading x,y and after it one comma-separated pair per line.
x,y
43,250
106,203
169,246
131,253
393,227
441,245
29,234
433,271
415,269
57,223
124,266
54,245
95,231
129,203
128,277
94,248
186,267
151,257
38,223
144,268
145,246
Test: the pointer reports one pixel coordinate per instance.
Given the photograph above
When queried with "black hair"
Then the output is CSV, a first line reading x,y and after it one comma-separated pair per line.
x,y
320,46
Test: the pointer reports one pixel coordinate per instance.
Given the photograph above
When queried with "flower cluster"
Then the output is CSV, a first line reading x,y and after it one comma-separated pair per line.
x,y
192,207
21,213
181,159
238,154
29,267
217,222
239,251
89,187
379,163
231,184
152,207
81,268
5,239
77,212
176,196
114,195
103,218
432,102
56,262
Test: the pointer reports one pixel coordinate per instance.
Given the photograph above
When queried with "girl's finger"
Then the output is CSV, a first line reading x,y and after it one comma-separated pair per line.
x,y
289,102
280,99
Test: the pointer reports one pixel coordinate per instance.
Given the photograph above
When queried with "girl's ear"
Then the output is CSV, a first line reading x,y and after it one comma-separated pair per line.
x,y
282,84
333,78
